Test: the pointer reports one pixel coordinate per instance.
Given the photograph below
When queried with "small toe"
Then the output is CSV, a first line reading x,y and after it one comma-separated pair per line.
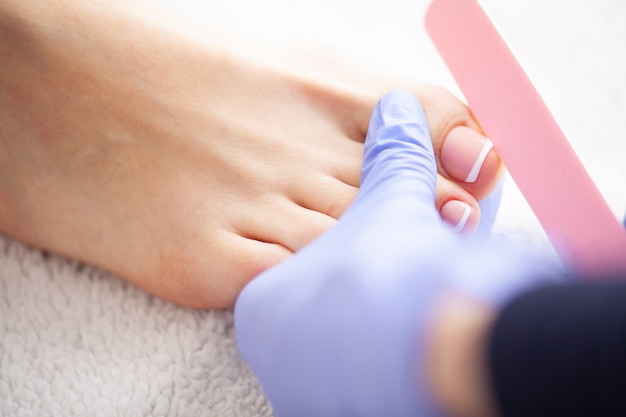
x,y
325,195
285,223
457,207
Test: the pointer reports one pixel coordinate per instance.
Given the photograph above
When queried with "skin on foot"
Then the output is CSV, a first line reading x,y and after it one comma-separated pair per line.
x,y
187,168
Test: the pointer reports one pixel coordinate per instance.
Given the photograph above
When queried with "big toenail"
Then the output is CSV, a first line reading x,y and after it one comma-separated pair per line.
x,y
456,213
464,152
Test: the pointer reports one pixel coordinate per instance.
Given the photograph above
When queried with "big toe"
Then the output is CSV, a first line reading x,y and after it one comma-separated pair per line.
x,y
468,158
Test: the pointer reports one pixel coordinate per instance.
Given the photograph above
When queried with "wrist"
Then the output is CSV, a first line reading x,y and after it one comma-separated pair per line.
x,y
457,358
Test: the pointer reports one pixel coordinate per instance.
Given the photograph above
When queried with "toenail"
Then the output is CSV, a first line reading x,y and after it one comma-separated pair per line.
x,y
457,214
464,152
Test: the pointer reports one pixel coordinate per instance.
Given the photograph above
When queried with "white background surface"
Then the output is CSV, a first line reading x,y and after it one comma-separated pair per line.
x,y
77,341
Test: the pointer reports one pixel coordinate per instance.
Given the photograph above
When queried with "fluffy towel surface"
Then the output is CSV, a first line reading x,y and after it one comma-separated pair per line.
x,y
76,341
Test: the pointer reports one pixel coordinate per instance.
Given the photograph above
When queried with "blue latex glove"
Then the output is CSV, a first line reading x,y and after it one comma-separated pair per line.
x,y
488,211
339,328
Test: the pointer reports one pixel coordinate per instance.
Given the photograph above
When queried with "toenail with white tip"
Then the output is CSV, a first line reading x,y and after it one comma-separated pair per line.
x,y
456,213
464,153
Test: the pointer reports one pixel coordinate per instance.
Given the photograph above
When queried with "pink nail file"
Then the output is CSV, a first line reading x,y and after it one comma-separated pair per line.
x,y
585,233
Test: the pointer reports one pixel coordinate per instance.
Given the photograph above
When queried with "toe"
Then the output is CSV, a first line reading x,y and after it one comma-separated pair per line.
x,y
281,221
464,155
457,206
213,278
326,195
468,158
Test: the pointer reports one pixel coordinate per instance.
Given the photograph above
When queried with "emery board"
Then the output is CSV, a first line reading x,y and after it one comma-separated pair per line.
x,y
579,223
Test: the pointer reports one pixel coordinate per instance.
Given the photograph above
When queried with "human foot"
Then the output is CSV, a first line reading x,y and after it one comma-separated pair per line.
x,y
184,169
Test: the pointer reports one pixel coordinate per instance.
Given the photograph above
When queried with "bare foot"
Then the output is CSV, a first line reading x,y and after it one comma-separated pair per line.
x,y
183,168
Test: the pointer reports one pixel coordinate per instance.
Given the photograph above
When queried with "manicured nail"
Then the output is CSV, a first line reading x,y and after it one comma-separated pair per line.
x,y
464,152
456,213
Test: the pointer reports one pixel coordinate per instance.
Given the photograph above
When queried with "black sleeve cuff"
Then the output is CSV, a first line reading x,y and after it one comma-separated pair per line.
x,y
561,351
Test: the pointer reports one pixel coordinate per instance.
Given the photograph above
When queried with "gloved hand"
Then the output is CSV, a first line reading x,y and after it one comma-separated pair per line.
x,y
339,328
